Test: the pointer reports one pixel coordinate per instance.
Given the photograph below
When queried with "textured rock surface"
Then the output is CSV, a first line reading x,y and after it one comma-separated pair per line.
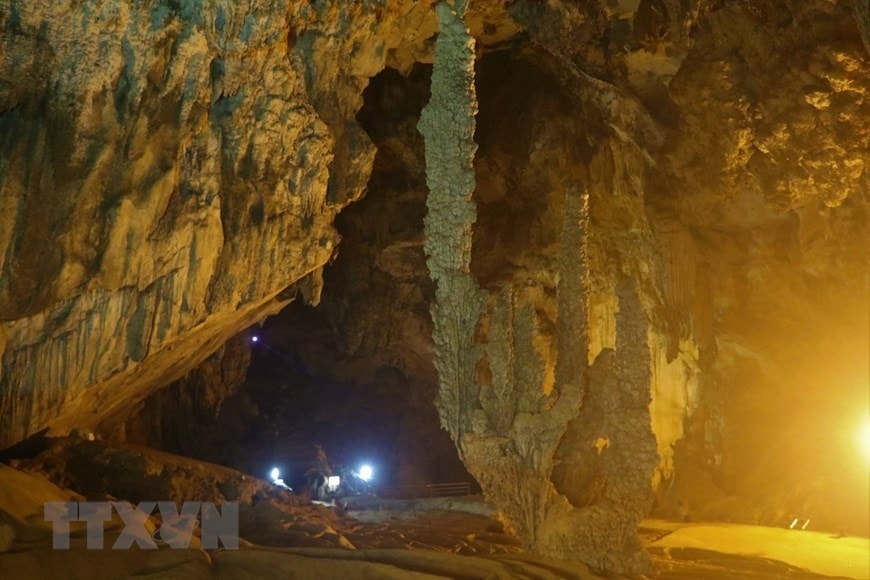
x,y
185,417
509,385
774,267
169,169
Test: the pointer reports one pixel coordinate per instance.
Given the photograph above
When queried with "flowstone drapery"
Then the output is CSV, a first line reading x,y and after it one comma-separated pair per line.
x,y
510,383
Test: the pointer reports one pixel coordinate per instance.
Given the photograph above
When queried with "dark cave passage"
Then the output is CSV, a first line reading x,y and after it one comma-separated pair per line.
x,y
353,374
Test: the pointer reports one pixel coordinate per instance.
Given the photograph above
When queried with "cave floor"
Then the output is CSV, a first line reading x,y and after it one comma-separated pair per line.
x,y
677,559
721,550
283,537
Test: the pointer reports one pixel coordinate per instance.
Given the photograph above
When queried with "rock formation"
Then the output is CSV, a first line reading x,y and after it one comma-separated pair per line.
x,y
152,154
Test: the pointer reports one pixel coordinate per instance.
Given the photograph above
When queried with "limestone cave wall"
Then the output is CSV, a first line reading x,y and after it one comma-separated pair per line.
x,y
170,170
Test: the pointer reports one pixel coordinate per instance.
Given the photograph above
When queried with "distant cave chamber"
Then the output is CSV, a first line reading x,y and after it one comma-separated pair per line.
x,y
655,262
352,374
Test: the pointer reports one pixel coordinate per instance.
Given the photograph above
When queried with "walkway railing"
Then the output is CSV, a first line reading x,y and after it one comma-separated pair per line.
x,y
458,489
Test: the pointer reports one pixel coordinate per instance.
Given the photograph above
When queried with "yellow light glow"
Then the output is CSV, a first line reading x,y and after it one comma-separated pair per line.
x,y
864,439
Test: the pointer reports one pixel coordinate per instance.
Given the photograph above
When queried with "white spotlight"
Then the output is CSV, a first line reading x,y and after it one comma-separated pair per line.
x,y
255,338
366,472
276,479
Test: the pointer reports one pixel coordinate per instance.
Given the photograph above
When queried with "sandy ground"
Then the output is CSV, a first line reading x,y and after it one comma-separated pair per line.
x,y
716,550
369,538
815,552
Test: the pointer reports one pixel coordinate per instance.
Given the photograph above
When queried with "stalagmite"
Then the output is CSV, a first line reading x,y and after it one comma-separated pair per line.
x,y
496,397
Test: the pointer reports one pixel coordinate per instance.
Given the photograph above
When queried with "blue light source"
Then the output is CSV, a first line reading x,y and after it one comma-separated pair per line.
x,y
366,472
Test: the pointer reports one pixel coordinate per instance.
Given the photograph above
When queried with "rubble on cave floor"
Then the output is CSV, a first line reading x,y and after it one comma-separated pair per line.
x,y
284,536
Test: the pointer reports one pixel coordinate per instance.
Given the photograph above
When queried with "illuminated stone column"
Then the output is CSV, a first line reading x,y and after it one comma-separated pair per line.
x,y
447,124
510,382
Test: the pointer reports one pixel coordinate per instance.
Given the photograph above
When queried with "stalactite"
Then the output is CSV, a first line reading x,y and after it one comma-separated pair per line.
x,y
447,124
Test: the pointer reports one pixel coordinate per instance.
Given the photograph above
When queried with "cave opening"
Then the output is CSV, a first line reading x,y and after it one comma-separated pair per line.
x,y
355,373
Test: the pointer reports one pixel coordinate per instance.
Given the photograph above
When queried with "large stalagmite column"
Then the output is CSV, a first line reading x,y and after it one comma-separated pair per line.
x,y
509,384
447,124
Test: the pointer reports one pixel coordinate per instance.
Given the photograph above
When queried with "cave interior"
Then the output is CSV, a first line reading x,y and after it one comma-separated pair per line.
x,y
602,265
